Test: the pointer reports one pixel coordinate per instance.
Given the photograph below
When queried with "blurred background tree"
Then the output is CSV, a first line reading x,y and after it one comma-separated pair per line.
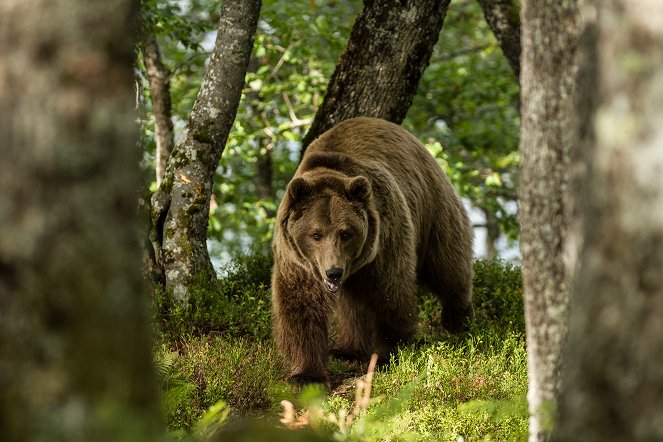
x,y
465,110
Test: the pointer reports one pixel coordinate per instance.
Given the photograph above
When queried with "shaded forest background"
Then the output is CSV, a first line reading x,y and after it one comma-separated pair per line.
x,y
465,110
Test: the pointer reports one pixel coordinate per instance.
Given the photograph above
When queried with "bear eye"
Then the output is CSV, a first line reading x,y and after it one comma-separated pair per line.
x,y
346,235
317,236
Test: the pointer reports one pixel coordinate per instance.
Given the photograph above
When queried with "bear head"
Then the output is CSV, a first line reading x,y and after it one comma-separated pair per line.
x,y
331,225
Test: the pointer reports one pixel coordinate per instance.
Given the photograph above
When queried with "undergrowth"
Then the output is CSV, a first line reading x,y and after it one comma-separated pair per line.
x,y
219,369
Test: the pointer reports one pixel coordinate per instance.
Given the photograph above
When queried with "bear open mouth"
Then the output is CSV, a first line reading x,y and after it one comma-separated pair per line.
x,y
332,287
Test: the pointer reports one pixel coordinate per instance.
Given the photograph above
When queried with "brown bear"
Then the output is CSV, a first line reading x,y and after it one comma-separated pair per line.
x,y
368,214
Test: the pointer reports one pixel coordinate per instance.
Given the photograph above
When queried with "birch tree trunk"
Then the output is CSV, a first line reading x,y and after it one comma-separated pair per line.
x,y
549,65
180,207
377,75
74,339
613,388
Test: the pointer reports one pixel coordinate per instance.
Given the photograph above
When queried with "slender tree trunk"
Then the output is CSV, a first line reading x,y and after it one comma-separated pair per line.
x,y
503,17
613,383
180,208
159,79
378,73
74,339
492,234
264,176
549,66
264,187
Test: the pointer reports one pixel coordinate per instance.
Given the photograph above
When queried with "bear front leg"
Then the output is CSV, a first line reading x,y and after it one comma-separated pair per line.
x,y
301,329
356,328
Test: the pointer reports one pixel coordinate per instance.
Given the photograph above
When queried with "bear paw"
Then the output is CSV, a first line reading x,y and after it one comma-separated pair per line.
x,y
456,320
305,378
348,354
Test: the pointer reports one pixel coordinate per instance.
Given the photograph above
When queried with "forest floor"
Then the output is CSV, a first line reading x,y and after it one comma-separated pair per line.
x,y
218,369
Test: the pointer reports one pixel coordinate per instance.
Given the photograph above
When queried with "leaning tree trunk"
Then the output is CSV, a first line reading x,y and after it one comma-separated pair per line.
x,y
503,17
158,76
613,383
74,339
378,73
180,208
547,79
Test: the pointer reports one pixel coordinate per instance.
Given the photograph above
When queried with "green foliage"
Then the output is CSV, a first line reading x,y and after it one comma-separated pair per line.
x,y
498,296
284,86
237,305
466,109
212,371
497,299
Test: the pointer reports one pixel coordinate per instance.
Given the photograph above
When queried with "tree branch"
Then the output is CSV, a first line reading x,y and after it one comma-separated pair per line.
x,y
503,17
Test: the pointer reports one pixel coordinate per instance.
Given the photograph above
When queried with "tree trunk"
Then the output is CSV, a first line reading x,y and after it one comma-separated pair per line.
x,y
613,383
503,17
264,187
159,79
549,65
378,73
180,208
74,339
492,235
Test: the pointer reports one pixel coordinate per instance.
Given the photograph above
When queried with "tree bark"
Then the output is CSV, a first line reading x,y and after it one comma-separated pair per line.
x,y
74,339
503,17
180,208
549,66
158,76
613,388
377,75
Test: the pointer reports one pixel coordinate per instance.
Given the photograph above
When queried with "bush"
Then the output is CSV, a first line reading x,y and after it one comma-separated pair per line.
x,y
237,305
200,371
498,296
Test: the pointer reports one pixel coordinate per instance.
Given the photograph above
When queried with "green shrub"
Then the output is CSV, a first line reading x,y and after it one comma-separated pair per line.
x,y
498,296
237,305
200,371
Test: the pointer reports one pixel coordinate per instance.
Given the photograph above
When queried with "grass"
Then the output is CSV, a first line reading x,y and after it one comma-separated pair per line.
x,y
218,353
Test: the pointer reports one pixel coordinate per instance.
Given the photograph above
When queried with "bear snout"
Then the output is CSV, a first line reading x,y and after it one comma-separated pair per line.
x,y
334,274
333,279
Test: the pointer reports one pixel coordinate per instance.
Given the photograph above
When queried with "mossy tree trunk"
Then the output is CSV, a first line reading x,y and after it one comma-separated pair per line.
x,y
503,17
547,139
377,75
74,338
180,207
613,381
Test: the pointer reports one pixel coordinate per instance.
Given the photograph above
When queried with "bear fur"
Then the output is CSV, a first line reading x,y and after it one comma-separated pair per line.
x,y
367,216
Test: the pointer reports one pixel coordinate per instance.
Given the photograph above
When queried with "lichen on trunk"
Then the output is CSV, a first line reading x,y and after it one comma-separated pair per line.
x,y
549,66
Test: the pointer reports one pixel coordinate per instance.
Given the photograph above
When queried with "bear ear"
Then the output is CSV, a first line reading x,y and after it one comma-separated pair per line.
x,y
299,188
359,189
